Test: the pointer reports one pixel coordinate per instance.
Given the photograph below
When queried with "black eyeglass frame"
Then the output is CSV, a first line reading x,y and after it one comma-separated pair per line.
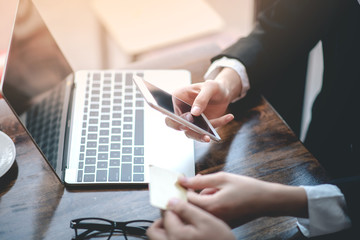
x,y
94,229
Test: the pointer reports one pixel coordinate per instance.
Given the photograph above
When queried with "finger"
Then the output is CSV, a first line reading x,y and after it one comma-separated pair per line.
x,y
202,181
175,125
201,101
197,136
173,224
189,133
187,212
209,191
158,223
188,93
156,231
222,121
200,200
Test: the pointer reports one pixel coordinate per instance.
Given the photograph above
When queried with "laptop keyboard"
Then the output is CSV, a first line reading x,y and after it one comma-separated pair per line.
x,y
112,141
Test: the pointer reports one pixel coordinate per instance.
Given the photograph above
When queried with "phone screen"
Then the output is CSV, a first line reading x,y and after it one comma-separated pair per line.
x,y
177,107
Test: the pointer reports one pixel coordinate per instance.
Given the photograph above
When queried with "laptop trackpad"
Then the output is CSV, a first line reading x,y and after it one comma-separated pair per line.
x,y
166,147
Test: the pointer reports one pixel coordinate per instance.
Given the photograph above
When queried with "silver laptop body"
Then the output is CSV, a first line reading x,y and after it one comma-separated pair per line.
x,y
91,126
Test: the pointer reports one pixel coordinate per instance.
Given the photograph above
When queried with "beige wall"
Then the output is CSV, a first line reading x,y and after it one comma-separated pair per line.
x,y
7,15
77,31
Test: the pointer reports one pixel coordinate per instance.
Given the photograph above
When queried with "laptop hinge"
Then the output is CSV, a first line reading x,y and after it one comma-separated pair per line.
x,y
70,85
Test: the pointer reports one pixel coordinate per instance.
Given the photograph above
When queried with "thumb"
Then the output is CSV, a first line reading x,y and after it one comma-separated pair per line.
x,y
222,121
187,212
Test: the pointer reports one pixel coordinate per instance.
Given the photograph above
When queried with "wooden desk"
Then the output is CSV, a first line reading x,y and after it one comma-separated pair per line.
x,y
35,205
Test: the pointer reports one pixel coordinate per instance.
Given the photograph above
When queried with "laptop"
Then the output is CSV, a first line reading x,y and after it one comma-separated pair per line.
x,y
92,126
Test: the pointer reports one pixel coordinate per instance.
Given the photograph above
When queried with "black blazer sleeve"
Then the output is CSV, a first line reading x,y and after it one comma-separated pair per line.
x,y
287,29
350,187
283,32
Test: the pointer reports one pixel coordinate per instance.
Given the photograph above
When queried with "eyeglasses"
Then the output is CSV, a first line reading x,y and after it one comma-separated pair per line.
x,y
86,228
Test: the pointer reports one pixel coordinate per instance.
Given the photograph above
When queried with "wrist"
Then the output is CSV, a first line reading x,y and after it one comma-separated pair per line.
x,y
231,81
287,201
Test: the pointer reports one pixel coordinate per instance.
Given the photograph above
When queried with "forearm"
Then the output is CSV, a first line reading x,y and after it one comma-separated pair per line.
x,y
321,209
327,211
235,73
231,81
286,201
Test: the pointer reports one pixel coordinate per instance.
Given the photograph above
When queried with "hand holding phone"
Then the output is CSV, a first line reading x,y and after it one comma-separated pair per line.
x,y
175,108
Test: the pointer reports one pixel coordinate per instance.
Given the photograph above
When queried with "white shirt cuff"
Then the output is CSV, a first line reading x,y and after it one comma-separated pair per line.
x,y
234,64
327,211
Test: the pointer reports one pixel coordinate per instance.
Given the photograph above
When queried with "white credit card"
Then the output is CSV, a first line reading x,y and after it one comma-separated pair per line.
x,y
163,186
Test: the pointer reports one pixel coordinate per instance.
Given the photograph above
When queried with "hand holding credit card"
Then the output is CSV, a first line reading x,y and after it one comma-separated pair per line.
x,y
163,186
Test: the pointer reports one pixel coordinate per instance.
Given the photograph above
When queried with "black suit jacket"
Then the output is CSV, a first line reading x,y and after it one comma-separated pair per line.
x,y
283,35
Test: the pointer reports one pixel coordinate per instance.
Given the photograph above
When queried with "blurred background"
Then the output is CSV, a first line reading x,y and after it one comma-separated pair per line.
x,y
88,31
104,34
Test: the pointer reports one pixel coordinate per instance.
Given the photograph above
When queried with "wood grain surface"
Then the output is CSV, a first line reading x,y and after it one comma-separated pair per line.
x,y
35,205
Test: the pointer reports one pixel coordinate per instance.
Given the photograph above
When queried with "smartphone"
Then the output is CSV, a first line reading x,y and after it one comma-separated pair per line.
x,y
175,108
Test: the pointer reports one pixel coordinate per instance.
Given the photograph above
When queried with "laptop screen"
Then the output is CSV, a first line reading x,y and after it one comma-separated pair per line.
x,y
34,83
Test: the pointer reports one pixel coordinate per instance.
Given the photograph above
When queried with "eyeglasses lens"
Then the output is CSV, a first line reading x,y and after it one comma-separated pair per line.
x,y
137,230
93,228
